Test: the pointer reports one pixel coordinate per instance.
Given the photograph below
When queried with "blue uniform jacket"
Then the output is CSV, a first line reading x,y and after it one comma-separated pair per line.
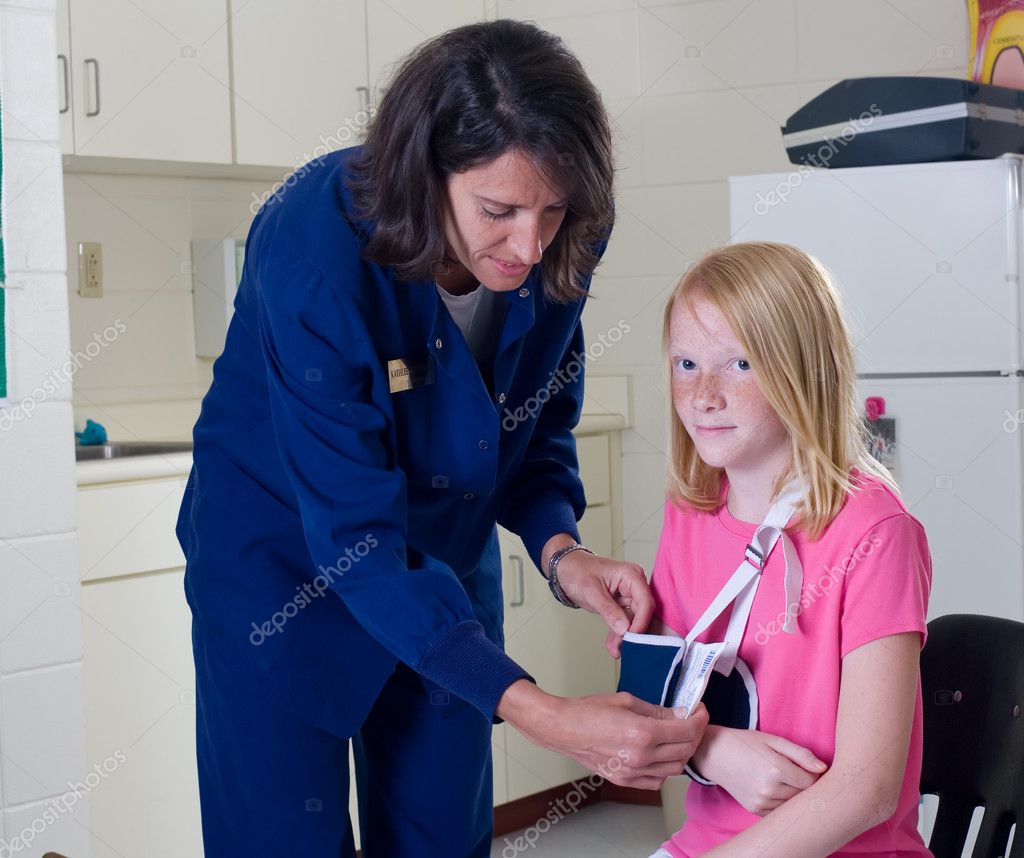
x,y
335,522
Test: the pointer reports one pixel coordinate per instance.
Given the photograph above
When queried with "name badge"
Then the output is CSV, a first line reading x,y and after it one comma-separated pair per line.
x,y
406,374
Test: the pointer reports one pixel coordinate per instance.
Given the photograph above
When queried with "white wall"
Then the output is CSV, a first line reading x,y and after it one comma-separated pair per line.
x,y
42,737
146,382
698,91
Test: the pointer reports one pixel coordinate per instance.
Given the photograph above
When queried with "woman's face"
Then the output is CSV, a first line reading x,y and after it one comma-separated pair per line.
x,y
499,219
716,394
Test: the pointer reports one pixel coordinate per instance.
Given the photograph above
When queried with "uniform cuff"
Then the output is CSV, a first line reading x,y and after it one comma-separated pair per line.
x,y
470,665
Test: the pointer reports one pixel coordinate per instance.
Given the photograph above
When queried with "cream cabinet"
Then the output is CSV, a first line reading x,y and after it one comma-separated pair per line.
x,y
149,79
142,79
139,674
300,80
64,63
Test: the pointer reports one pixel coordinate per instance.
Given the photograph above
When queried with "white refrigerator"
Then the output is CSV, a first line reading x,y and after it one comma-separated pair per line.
x,y
928,258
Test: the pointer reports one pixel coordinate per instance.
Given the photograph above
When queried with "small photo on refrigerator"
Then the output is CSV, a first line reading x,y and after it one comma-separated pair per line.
x,y
881,435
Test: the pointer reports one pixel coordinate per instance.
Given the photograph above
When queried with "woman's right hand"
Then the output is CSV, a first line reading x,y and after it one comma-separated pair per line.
x,y
626,740
761,771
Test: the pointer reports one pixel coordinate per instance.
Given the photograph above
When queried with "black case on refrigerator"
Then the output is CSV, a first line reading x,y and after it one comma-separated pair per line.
x,y
869,121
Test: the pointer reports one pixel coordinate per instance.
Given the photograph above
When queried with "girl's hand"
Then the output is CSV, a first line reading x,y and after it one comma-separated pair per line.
x,y
628,741
615,590
759,770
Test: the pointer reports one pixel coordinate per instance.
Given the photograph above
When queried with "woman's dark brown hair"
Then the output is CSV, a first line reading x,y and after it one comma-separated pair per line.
x,y
463,99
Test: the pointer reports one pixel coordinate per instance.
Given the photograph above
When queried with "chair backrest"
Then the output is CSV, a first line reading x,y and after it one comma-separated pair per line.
x,y
972,680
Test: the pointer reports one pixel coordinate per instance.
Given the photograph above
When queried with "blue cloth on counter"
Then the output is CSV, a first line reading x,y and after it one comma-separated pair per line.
x,y
335,524
93,433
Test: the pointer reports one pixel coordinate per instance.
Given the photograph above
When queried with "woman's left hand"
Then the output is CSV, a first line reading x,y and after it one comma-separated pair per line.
x,y
615,590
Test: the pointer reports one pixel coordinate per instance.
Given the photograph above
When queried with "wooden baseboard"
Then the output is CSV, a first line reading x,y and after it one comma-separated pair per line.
x,y
631,795
562,800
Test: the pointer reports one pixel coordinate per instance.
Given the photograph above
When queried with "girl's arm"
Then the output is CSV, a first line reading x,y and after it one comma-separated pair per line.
x,y
877,694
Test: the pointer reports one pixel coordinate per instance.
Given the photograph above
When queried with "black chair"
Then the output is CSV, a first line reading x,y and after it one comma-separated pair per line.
x,y
972,679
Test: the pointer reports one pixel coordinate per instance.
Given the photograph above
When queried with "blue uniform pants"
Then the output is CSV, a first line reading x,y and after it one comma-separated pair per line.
x,y
271,784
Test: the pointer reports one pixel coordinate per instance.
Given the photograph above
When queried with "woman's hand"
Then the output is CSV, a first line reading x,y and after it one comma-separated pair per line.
x,y
615,590
759,770
626,740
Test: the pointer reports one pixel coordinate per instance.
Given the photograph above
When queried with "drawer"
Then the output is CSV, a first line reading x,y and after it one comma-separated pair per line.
x,y
126,528
595,464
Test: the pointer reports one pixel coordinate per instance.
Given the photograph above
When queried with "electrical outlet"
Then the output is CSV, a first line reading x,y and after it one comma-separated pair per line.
x,y
90,269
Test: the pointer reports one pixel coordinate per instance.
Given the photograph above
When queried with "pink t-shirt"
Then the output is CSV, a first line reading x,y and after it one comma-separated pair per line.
x,y
867,576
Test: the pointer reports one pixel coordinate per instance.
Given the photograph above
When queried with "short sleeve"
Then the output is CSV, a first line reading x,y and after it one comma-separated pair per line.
x,y
664,577
887,581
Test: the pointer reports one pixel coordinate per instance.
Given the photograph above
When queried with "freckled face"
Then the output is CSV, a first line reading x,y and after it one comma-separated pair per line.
x,y
500,217
716,395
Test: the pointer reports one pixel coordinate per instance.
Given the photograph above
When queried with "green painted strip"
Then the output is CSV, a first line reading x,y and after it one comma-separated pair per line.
x,y
3,347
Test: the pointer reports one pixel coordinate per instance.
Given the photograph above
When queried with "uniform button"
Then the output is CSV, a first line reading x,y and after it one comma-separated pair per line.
x,y
483,445
438,343
524,293
469,496
501,398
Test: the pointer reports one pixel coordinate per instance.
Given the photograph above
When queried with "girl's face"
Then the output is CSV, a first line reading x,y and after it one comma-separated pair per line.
x,y
716,395
499,219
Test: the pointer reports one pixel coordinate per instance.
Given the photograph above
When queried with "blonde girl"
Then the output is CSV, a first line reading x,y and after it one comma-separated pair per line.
x,y
762,380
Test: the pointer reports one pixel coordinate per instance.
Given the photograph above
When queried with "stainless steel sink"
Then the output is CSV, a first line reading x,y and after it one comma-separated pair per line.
x,y
124,449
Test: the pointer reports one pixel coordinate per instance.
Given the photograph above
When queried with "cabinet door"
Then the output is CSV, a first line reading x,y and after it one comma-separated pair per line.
x,y
499,739
162,74
395,27
562,649
65,64
140,703
297,68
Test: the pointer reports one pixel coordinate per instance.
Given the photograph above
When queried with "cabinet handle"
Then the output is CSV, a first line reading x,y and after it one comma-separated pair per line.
x,y
67,100
96,78
520,599
364,97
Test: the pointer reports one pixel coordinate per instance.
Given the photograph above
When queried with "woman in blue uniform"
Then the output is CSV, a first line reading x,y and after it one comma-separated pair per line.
x,y
403,370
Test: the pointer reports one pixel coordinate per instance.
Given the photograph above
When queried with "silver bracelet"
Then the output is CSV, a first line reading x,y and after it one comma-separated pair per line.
x,y
555,587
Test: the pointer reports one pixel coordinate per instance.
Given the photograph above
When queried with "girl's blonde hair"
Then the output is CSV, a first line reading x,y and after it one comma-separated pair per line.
x,y
786,312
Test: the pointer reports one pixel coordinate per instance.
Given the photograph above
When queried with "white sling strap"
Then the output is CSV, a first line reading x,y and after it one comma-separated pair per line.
x,y
742,585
